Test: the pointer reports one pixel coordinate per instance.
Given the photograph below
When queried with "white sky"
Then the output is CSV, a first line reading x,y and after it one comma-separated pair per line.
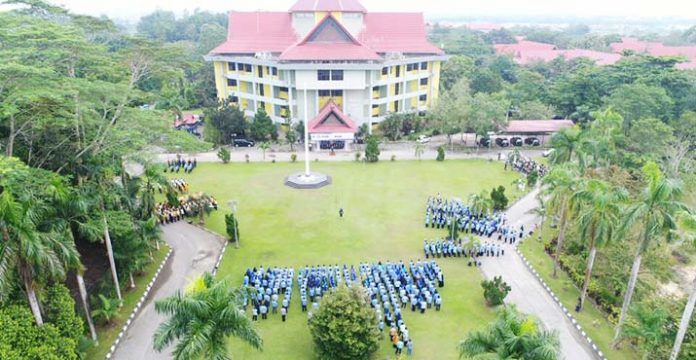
x,y
582,8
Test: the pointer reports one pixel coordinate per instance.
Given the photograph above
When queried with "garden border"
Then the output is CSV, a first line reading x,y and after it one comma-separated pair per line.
x,y
138,306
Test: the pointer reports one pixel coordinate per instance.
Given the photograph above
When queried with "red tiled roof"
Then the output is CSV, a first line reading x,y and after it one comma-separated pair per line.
x,y
189,119
656,49
251,32
324,122
328,5
525,52
396,32
537,126
350,49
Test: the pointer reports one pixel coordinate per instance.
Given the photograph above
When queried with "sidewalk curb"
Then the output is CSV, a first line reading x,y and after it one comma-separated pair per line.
x,y
114,346
566,312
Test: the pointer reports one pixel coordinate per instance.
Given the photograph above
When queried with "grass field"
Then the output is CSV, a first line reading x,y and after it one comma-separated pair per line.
x,y
592,319
384,205
108,334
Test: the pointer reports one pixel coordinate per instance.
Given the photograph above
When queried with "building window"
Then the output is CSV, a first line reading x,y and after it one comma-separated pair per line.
x,y
396,106
240,66
424,65
411,67
259,70
424,81
231,66
262,105
375,106
423,98
231,82
261,92
397,89
283,89
375,88
398,71
336,93
324,93
234,99
385,70
323,75
337,75
274,71
247,68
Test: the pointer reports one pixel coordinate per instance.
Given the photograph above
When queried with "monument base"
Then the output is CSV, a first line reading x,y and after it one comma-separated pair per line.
x,y
312,181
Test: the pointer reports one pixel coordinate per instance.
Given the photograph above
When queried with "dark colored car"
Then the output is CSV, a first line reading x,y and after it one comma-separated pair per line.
x,y
243,143
502,142
516,141
485,142
532,141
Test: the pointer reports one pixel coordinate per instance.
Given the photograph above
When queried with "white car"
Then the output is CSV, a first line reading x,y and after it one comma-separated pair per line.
x,y
548,152
423,139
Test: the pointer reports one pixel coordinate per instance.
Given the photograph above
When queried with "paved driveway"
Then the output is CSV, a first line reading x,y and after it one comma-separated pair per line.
x,y
195,251
527,293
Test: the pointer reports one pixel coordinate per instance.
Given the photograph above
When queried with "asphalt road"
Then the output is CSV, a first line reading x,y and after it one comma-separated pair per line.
x,y
527,292
194,252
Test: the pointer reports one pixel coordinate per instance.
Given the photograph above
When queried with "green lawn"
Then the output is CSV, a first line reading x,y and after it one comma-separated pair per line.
x,y
592,319
384,205
108,334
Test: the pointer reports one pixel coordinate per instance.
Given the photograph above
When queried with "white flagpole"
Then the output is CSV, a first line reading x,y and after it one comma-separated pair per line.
x,y
306,132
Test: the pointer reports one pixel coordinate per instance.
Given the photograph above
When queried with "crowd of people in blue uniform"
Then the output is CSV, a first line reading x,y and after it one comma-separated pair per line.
x,y
180,164
270,291
444,214
526,166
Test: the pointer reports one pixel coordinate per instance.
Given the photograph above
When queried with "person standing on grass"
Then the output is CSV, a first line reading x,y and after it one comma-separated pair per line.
x,y
283,313
409,347
340,212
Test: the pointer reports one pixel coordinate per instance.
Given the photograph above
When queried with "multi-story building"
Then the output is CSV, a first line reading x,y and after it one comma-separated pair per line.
x,y
367,64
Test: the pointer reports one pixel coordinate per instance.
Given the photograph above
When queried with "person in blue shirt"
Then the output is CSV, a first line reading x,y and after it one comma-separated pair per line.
x,y
283,313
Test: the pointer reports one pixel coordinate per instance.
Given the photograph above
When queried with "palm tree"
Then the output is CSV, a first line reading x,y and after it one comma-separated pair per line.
x,y
689,226
30,250
480,203
511,336
540,211
566,143
559,185
151,177
598,208
107,310
264,146
202,319
654,214
420,149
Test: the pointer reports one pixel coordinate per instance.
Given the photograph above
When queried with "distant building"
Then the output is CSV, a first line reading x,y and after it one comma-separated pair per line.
x,y
526,52
361,66
657,49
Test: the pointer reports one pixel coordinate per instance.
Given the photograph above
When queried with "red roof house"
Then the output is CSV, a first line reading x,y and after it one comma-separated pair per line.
x,y
657,49
536,126
331,120
525,52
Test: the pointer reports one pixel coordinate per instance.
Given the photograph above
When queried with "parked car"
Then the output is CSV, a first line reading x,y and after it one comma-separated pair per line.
x,y
532,141
502,142
423,139
243,143
485,142
516,141
548,152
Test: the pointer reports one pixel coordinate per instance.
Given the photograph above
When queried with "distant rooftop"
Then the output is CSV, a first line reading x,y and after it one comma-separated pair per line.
x,y
537,126
328,5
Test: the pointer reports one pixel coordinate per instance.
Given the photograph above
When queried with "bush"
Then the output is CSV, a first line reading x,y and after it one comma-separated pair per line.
x,y
393,158
345,326
358,156
495,291
532,178
21,339
293,158
500,201
232,227
440,153
224,155
59,309
372,150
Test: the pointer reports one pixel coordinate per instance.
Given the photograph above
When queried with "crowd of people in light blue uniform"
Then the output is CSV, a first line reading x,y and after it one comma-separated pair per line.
x,y
443,214
393,287
315,281
271,291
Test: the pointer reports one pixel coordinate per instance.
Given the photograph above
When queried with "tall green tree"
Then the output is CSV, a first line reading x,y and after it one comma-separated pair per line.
x,y
688,231
345,327
639,101
559,185
598,211
566,143
653,217
201,320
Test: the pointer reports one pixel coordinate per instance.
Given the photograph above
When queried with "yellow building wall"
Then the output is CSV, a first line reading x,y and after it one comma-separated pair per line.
x,y
336,99
220,79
